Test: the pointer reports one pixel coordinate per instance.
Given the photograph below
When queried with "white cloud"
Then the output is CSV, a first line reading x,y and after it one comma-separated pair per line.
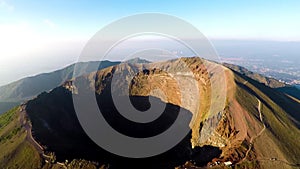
x,y
6,6
49,23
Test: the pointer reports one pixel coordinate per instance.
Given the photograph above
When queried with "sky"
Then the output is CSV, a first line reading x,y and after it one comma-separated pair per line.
x,y
41,36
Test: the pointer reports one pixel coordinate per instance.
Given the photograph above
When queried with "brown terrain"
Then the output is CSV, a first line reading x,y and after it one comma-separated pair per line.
x,y
253,125
233,112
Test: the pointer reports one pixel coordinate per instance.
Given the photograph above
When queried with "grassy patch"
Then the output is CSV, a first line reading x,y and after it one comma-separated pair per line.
x,y
248,164
16,152
7,117
283,135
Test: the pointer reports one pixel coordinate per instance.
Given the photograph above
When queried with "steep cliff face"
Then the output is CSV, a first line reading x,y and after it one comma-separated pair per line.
x,y
186,82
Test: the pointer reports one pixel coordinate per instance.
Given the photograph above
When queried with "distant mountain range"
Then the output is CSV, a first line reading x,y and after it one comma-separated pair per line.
x,y
14,93
27,88
32,86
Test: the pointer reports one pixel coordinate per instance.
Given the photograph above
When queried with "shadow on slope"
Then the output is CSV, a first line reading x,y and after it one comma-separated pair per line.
x,y
55,125
290,90
286,103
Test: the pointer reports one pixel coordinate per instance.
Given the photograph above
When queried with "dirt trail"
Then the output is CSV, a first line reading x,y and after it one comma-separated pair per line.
x,y
261,118
259,107
28,127
259,134
26,124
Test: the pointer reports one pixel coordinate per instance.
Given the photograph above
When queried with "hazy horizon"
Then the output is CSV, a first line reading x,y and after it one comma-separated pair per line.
x,y
43,37
226,49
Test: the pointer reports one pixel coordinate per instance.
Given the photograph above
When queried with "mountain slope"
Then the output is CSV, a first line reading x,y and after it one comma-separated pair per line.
x,y
24,89
5,106
291,91
32,86
276,117
16,151
20,150
255,127
221,127
271,82
14,93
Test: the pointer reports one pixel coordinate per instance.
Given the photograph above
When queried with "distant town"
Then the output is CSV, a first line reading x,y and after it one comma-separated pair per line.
x,y
285,71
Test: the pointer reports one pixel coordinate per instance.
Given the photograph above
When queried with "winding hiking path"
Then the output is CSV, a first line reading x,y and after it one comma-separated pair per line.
x,y
261,119
28,127
252,139
26,124
259,107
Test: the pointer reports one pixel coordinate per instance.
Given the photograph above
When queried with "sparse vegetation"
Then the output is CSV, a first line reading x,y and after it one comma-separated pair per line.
x,y
280,127
7,117
16,152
